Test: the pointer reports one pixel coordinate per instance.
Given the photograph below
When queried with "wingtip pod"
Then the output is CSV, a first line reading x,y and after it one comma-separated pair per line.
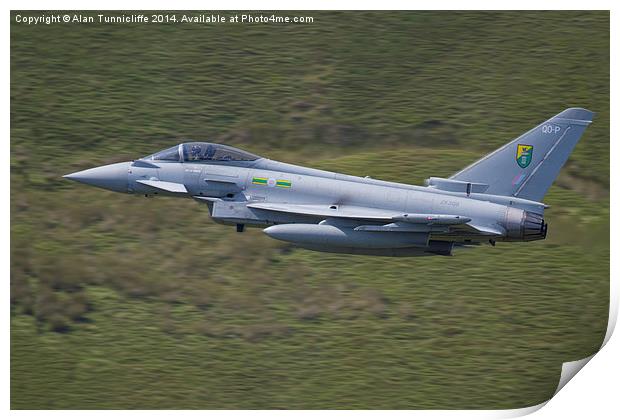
x,y
579,114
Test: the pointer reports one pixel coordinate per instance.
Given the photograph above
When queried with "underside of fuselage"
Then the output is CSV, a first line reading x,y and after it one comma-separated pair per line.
x,y
392,244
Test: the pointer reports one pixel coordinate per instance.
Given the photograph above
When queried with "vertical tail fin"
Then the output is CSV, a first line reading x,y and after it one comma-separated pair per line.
x,y
527,166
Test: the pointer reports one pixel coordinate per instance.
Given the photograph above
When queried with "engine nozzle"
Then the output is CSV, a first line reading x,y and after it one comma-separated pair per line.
x,y
524,225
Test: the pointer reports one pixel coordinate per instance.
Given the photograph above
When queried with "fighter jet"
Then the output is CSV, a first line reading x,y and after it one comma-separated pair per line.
x,y
495,199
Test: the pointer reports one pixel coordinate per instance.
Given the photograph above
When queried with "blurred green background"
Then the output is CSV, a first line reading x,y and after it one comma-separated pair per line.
x,y
124,302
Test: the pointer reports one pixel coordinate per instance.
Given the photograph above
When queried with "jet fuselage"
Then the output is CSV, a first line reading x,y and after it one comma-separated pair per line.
x,y
497,198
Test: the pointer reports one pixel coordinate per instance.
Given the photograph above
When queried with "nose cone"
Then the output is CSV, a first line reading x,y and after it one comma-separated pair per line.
x,y
111,177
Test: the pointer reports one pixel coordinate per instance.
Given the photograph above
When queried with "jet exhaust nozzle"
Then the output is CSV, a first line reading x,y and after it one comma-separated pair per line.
x,y
524,225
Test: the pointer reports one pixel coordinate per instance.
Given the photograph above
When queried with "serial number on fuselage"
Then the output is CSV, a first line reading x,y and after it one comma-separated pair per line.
x,y
449,203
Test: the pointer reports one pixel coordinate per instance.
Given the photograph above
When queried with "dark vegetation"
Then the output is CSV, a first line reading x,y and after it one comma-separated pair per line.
x,y
125,302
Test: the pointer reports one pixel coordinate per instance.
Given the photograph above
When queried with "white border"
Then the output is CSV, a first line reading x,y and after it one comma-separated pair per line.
x,y
593,394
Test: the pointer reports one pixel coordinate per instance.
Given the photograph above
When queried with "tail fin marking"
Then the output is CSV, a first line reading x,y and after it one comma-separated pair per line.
x,y
527,166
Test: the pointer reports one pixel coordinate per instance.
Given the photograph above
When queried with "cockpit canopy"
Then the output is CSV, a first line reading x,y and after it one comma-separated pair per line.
x,y
201,152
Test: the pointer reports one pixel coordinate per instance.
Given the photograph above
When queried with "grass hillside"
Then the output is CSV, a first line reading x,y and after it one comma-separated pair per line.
x,y
125,302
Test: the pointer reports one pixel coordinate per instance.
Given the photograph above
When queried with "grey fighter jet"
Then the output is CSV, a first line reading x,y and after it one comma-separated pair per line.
x,y
497,198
